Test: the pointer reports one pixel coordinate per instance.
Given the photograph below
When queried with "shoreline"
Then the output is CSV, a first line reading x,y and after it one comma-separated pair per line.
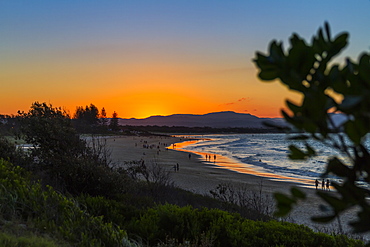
x,y
224,162
198,176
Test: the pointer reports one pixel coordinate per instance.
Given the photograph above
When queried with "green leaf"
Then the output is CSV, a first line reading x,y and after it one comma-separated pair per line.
x,y
336,167
362,223
296,153
299,137
284,204
293,107
327,30
364,68
298,193
323,219
289,119
282,210
310,151
264,62
284,199
355,130
268,75
309,126
339,43
350,129
276,52
350,102
350,82
348,192
337,204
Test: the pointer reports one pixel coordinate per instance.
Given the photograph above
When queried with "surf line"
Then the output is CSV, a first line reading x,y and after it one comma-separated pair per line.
x,y
223,162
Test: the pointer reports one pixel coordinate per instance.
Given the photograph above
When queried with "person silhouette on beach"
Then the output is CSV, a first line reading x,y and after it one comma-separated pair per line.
x,y
323,184
214,157
316,183
177,166
328,184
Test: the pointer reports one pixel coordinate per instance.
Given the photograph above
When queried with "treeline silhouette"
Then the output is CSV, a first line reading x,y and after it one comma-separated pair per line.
x,y
85,120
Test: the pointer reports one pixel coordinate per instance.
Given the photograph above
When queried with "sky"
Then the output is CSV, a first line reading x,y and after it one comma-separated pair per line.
x,y
155,57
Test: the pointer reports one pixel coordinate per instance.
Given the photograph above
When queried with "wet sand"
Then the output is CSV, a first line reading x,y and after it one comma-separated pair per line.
x,y
200,175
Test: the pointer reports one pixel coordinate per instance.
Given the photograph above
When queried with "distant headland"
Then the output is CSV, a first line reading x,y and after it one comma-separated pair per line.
x,y
225,119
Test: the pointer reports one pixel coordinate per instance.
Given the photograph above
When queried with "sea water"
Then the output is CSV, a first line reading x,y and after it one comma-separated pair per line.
x,y
268,154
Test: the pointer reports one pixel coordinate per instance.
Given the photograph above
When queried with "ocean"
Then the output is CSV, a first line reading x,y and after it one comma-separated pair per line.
x,y
265,155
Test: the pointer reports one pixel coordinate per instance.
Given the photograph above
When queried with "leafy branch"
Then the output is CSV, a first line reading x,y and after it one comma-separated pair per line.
x,y
327,88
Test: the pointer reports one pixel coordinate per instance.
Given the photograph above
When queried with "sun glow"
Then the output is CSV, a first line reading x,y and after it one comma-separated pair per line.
x,y
151,102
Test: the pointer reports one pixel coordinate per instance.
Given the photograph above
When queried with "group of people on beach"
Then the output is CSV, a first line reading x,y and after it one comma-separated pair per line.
x,y
324,185
208,157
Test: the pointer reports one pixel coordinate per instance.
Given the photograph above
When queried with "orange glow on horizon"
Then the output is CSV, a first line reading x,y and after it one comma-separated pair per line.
x,y
145,103
164,89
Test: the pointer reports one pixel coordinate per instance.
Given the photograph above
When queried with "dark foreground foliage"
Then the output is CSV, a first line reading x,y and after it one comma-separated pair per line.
x,y
327,87
51,212
219,228
93,221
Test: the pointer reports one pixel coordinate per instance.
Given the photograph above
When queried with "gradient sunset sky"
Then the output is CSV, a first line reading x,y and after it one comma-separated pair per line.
x,y
142,58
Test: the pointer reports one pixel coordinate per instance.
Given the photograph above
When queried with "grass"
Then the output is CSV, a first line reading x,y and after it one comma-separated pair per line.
x,y
17,233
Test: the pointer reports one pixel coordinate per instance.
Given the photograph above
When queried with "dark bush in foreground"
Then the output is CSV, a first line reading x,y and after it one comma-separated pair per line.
x,y
8,240
52,212
225,229
62,217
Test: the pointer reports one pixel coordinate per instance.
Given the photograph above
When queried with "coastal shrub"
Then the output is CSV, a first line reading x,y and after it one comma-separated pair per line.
x,y
8,240
86,176
187,225
252,204
9,151
157,178
110,210
62,159
52,212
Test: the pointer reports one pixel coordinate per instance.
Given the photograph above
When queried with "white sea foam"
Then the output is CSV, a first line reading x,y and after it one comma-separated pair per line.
x,y
267,153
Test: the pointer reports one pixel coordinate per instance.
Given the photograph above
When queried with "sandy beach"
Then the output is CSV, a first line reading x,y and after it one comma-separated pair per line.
x,y
199,174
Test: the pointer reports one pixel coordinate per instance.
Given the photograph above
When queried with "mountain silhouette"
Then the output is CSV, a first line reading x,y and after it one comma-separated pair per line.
x,y
226,119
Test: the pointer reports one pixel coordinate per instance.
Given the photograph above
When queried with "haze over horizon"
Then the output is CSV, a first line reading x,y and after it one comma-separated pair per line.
x,y
144,58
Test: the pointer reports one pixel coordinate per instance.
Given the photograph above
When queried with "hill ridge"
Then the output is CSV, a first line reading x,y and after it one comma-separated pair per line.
x,y
223,119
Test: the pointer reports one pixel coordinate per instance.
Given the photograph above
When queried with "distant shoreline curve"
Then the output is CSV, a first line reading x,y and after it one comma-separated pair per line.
x,y
223,162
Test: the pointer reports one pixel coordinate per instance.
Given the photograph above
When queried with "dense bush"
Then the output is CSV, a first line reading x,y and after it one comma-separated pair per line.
x,y
62,159
54,213
8,240
10,152
188,224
